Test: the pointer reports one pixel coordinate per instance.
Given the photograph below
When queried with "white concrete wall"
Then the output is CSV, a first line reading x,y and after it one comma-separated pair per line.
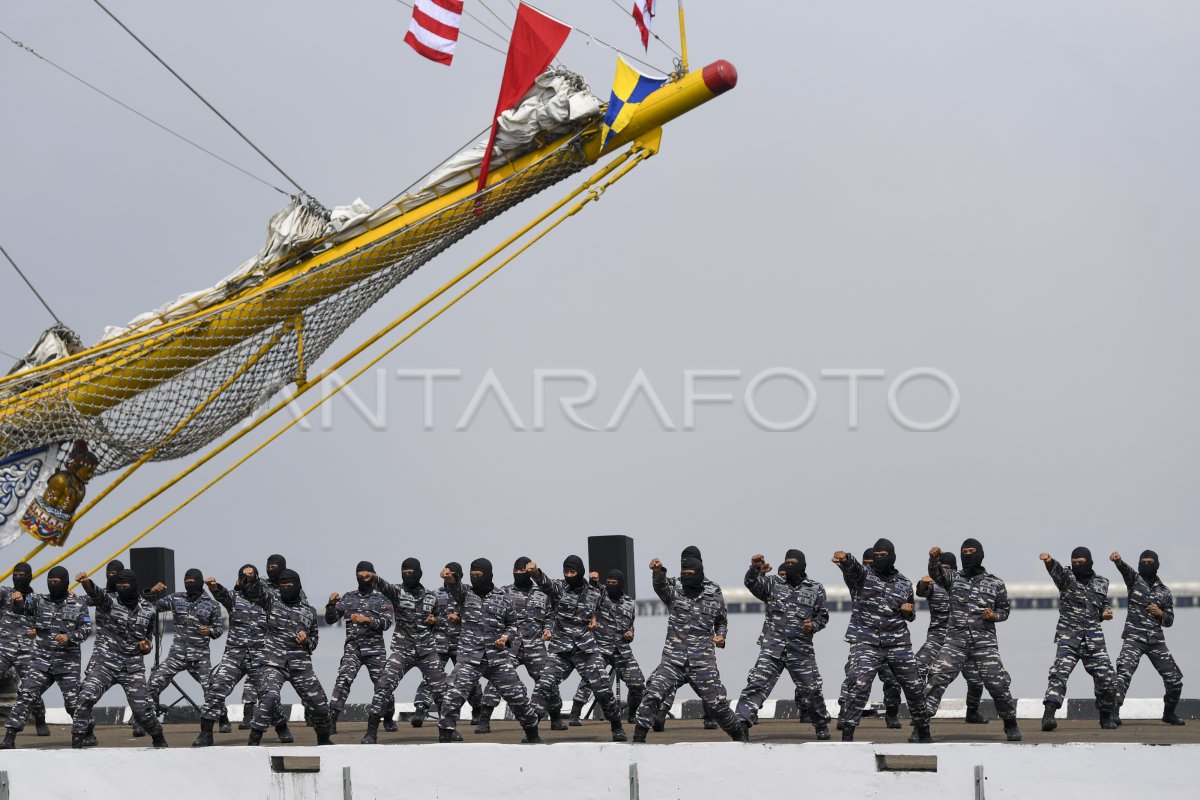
x,y
586,771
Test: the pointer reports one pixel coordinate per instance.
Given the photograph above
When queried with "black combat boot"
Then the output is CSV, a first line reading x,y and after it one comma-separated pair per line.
x,y
921,729
847,733
333,718
974,717
158,739
891,717
372,734
247,716
284,733
1116,715
1170,703
10,739
76,741
660,720
710,724
445,735
485,720
420,711
138,730
474,715
321,729
556,723
255,738
389,724
1011,731
89,738
635,700
576,710
1106,721
531,734
823,734
639,734
40,726
205,738
618,732
455,736
225,727
1048,721
742,734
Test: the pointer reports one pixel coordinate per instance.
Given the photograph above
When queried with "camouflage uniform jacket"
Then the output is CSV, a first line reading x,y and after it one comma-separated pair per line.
x,y
614,618
1080,603
284,622
533,609
571,611
1140,625
484,620
247,621
445,632
124,627
188,615
692,622
13,625
969,595
411,609
787,607
374,605
877,619
49,618
939,608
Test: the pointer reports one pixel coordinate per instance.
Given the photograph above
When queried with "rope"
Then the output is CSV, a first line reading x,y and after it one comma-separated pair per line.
x,y
211,107
593,195
302,389
130,108
36,293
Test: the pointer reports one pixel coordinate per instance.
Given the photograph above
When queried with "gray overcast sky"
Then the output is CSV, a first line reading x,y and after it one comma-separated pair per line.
x,y
1003,191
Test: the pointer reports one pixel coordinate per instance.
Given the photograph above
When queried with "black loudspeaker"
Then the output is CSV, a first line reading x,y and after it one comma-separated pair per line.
x,y
153,565
613,552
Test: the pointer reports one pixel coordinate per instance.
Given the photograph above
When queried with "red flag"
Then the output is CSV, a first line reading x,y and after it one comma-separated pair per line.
x,y
643,16
433,30
536,39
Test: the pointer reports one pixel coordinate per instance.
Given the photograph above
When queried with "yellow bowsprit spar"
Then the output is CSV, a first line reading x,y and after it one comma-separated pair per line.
x,y
169,390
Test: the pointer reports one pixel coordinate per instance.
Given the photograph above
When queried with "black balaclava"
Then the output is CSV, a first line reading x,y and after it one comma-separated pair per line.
x,y
1148,571
1083,572
368,586
618,591
798,557
868,556
483,584
973,564
193,583
793,572
289,594
241,579
276,564
110,575
522,580
947,560
884,566
410,574
57,582
455,570
574,563
129,595
22,576
691,551
692,584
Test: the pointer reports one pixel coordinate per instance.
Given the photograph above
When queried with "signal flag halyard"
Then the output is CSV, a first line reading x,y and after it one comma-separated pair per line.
x,y
433,30
643,16
630,88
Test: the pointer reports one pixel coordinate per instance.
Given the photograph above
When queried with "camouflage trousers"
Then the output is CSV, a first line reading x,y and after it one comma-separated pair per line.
x,y
983,653
1086,647
590,667
533,657
34,684
18,662
100,678
866,659
499,670
160,678
926,657
1132,651
891,686
424,696
800,661
299,673
234,665
399,663
353,660
621,663
699,670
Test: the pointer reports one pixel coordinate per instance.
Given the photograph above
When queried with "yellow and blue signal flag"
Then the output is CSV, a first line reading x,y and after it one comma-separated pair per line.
x,y
630,88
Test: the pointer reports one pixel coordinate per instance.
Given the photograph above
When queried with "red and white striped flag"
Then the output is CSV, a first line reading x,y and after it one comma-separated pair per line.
x,y
643,15
433,31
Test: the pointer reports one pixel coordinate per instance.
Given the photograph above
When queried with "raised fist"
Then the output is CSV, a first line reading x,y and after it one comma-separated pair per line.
x,y
934,552
1044,557
1114,556
839,557
656,564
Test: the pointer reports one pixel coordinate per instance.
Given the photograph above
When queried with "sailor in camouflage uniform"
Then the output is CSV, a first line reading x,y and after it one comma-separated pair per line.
x,y
696,626
1083,605
276,563
120,657
489,623
291,639
1150,609
243,657
614,634
795,610
57,622
939,622
446,634
571,633
368,614
528,650
660,721
891,686
978,600
883,607
15,644
414,644
197,620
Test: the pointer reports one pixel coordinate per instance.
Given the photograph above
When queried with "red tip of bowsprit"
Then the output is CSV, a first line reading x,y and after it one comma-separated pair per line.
x,y
720,76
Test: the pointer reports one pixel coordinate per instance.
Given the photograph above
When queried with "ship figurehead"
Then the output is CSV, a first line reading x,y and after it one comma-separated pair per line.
x,y
49,518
